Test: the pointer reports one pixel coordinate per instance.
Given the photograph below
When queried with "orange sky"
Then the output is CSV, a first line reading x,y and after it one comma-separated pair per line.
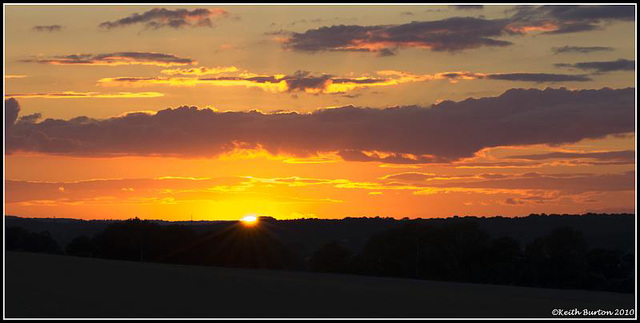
x,y
318,111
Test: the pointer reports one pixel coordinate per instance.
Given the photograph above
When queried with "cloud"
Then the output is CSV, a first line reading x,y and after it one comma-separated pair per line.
x,y
31,118
303,81
573,183
536,77
607,155
468,7
621,157
160,17
456,33
603,67
300,81
82,95
450,35
119,189
522,188
115,59
405,77
14,76
165,190
201,71
11,111
581,49
569,19
412,134
390,158
409,176
50,28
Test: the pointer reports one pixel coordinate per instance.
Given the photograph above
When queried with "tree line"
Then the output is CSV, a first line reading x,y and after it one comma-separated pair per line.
x,y
458,251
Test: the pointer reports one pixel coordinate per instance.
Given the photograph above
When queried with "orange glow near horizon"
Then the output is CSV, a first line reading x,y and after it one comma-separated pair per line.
x,y
99,130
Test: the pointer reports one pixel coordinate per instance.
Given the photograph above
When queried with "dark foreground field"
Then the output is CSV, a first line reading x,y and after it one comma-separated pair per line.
x,y
39,285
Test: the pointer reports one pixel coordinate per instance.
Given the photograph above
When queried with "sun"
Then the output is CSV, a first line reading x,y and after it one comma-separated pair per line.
x,y
249,220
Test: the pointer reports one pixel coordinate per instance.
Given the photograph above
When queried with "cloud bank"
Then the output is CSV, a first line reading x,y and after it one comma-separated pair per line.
x,y
445,131
457,33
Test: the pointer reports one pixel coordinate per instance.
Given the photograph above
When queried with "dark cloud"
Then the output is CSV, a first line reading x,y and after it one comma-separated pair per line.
x,y
445,131
590,13
11,111
300,81
303,81
120,58
280,32
392,158
603,67
581,49
538,77
520,77
569,19
31,118
578,183
161,17
457,33
453,34
493,176
50,28
623,157
410,176
608,155
468,7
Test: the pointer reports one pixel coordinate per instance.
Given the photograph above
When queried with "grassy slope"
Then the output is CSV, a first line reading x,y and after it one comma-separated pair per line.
x,y
40,285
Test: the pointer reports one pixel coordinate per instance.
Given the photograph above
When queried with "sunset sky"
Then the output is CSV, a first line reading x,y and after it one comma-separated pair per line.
x,y
219,112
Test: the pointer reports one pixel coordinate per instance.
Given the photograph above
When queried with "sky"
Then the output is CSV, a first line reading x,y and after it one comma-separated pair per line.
x,y
318,111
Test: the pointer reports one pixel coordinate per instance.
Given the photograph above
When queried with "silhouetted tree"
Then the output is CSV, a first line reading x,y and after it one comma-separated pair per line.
x,y
557,260
393,252
135,239
20,239
332,257
455,251
609,270
81,246
504,261
237,245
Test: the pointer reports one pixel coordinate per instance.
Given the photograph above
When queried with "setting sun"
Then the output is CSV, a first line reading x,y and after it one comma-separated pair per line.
x,y
249,220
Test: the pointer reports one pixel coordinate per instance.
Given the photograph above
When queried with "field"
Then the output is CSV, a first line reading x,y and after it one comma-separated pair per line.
x,y
39,285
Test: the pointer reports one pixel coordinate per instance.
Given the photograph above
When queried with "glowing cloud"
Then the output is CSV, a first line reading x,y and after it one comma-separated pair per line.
x,y
303,81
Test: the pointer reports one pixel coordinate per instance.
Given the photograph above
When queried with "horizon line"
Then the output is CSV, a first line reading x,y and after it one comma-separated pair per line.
x,y
349,217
